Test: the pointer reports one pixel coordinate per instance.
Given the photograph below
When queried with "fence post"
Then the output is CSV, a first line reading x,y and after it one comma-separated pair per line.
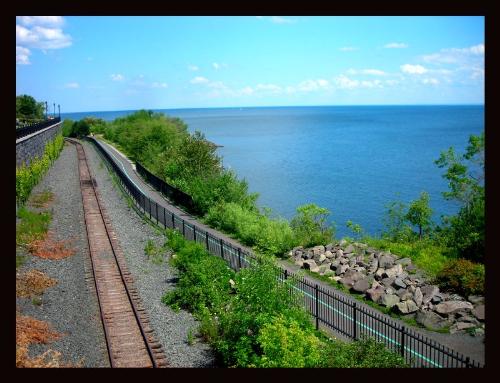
x,y
156,209
206,239
354,315
286,274
164,218
403,332
221,248
239,258
149,207
194,232
173,221
317,305
467,362
184,228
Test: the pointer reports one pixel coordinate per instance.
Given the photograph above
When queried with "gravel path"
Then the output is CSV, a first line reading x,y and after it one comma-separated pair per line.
x,y
71,305
151,280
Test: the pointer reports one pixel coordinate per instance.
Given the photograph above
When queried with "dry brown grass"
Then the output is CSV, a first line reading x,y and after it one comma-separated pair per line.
x,y
32,283
42,200
49,248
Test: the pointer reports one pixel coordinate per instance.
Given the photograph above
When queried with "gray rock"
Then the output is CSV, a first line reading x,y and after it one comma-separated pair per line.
x,y
334,264
437,298
389,300
393,271
379,273
317,250
375,294
411,268
404,294
352,262
329,247
412,289
386,261
428,292
456,297
403,261
418,296
343,260
349,249
341,269
449,307
373,266
309,264
299,262
479,312
328,273
340,253
460,326
322,258
406,307
347,282
361,285
398,282
431,320
387,282
355,275
476,299
324,268
375,284
328,254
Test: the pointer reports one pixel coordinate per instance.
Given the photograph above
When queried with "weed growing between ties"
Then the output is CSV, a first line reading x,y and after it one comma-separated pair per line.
x,y
251,320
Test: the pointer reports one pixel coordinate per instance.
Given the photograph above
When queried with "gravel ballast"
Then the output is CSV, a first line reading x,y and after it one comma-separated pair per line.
x,y
152,280
71,305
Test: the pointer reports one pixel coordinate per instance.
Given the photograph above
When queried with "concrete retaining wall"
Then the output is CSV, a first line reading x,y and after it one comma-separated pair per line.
x,y
29,147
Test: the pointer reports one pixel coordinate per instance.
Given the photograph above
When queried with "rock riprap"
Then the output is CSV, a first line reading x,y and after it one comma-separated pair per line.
x,y
392,282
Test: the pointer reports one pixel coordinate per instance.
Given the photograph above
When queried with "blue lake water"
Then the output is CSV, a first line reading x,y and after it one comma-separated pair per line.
x,y
352,160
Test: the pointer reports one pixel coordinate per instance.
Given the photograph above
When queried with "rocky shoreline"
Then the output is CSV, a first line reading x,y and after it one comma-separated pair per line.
x,y
395,283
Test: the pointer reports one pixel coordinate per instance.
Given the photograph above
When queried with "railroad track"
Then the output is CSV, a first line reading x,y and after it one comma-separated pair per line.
x,y
129,337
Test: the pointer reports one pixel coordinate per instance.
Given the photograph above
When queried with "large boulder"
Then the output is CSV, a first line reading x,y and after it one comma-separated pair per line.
x,y
431,320
386,261
361,285
334,264
341,269
406,307
403,261
349,249
460,326
344,260
317,250
329,247
404,294
311,265
321,258
449,307
379,273
299,262
375,293
387,282
476,299
428,292
398,282
389,300
479,312
373,266
329,254
418,296
393,271
340,253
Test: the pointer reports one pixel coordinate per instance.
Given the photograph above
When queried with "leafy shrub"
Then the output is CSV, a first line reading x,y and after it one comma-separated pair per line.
x,y
285,344
463,277
309,225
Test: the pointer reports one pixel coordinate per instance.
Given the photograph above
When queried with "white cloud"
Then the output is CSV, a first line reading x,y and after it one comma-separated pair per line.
x,y
22,56
281,20
396,45
370,72
216,66
159,85
268,88
413,69
248,90
344,82
313,85
42,38
455,55
431,81
348,49
72,85
199,80
193,68
41,20
117,77
391,82
371,84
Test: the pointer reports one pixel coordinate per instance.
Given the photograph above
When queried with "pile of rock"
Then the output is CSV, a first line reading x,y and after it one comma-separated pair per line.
x,y
393,282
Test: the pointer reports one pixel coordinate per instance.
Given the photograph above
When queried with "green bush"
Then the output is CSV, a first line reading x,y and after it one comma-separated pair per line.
x,y
309,225
285,344
28,176
462,276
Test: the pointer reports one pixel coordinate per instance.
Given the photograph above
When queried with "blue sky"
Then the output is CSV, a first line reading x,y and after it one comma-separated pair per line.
x,y
117,63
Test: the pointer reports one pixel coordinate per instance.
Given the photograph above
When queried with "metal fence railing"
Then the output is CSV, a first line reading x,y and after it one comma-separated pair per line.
x,y
29,129
328,308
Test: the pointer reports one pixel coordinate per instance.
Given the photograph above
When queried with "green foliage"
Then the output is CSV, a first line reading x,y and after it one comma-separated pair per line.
x,y
285,344
28,176
364,353
309,225
31,226
356,229
419,213
396,228
67,127
153,252
465,232
27,108
462,276
268,236
79,129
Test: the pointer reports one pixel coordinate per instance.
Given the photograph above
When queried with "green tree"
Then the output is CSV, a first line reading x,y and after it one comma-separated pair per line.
x,y
395,222
80,129
419,213
28,108
465,232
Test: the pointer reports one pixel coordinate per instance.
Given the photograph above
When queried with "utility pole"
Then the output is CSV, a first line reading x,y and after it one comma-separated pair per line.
x,y
54,110
46,110
59,107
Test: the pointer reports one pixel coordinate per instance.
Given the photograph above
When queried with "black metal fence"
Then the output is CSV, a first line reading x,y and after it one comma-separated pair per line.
x,y
29,129
328,308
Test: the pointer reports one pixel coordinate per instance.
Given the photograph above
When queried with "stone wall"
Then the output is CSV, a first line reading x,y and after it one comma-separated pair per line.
x,y
27,148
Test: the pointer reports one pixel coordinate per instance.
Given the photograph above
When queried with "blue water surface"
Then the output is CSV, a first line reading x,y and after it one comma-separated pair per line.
x,y
352,160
